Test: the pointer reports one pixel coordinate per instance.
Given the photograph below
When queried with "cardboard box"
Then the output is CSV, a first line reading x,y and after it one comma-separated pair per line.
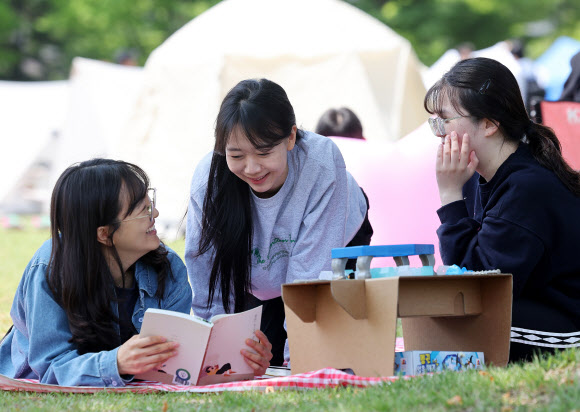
x,y
352,323
417,362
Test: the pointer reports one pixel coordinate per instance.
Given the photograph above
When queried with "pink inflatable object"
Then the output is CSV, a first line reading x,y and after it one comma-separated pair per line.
x,y
399,179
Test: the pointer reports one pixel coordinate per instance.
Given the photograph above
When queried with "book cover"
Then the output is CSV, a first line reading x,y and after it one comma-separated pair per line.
x,y
416,362
208,352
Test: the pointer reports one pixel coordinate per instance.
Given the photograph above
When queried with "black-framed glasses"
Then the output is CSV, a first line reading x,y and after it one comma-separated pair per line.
x,y
152,193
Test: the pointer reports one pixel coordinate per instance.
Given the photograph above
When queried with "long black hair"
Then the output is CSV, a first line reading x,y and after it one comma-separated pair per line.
x,y
86,196
261,110
487,89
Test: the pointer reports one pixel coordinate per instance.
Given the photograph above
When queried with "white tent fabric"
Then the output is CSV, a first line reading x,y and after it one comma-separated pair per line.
x,y
47,126
324,53
499,51
33,113
102,96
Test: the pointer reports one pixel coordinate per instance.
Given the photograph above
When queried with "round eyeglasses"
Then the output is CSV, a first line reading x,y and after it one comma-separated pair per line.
x,y
152,193
438,124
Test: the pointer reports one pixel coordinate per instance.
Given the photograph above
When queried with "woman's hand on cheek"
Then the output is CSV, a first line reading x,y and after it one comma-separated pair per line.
x,y
259,361
454,167
139,355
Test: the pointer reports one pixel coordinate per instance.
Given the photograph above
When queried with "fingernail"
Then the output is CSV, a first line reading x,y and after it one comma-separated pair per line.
x,y
175,344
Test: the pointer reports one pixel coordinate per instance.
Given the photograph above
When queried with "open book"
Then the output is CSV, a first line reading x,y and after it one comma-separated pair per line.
x,y
208,352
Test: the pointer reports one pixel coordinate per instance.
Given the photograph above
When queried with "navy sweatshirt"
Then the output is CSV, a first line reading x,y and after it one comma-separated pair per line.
x,y
524,221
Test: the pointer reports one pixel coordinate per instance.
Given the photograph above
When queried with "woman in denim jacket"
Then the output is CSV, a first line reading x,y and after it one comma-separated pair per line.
x,y
79,306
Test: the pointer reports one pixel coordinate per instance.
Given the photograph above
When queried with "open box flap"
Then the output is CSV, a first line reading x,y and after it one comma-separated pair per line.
x,y
348,293
301,299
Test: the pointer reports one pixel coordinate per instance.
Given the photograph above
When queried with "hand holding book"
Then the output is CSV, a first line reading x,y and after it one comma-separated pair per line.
x,y
223,349
259,361
141,355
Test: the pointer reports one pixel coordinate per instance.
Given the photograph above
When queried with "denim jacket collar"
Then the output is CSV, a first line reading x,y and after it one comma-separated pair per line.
x,y
146,279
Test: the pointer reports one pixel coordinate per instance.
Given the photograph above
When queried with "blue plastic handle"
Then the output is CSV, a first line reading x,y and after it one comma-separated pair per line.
x,y
382,251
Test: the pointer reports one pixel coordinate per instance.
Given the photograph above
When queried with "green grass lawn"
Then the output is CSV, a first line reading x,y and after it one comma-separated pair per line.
x,y
16,249
550,383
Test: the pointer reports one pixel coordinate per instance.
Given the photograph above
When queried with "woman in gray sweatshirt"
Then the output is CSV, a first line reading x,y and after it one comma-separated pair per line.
x,y
266,208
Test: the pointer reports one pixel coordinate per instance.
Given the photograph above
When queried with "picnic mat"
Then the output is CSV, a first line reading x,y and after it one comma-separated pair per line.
x,y
323,378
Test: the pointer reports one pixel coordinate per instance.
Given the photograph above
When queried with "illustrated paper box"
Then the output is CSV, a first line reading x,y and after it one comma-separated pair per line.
x,y
417,362
351,323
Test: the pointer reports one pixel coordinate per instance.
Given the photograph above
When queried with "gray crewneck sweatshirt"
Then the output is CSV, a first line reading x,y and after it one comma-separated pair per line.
x,y
319,207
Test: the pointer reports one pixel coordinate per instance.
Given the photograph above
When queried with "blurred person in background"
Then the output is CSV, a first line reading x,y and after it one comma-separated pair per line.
x,y
465,49
340,122
571,90
531,90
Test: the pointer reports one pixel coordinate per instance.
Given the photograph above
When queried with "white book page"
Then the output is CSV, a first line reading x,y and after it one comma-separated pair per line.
x,y
223,360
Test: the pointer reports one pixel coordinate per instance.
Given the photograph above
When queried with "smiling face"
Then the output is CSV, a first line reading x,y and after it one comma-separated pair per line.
x,y
137,235
263,168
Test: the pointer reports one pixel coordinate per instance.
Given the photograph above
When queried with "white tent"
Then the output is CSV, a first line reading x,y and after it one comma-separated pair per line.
x,y
33,115
101,98
47,126
324,53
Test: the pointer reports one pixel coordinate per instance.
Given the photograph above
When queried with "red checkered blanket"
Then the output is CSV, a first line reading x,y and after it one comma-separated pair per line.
x,y
323,378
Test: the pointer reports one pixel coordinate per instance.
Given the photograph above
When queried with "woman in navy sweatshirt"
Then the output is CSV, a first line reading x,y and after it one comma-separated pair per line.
x,y
509,201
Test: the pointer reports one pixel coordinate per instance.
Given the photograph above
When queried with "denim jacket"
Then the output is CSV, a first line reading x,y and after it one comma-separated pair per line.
x,y
38,346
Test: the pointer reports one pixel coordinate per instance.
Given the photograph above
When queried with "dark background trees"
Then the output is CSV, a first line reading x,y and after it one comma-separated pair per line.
x,y
434,26
39,38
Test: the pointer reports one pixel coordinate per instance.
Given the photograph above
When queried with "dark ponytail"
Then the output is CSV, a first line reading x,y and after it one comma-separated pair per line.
x,y
487,89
